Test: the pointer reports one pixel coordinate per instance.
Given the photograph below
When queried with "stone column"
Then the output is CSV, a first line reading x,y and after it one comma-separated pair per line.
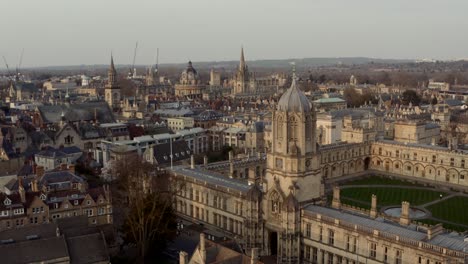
x,y
192,162
205,160
336,203
373,210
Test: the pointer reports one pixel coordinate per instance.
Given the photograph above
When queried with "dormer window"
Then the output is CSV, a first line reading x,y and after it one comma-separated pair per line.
x,y
7,201
75,202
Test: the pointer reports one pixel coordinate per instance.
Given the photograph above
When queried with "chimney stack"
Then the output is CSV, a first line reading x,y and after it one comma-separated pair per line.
x,y
183,257
192,162
39,171
63,166
71,168
21,190
202,248
404,217
34,186
373,210
434,231
336,202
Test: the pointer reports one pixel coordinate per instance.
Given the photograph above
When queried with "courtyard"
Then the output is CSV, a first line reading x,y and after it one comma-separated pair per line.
x,y
446,207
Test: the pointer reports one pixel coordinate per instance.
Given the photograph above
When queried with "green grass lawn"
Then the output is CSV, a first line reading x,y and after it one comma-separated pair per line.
x,y
389,196
446,226
454,209
374,180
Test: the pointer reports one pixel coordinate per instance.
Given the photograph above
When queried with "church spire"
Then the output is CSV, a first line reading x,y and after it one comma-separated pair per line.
x,y
242,59
111,74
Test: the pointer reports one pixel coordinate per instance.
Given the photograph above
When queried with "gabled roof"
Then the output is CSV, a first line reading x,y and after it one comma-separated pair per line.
x,y
180,151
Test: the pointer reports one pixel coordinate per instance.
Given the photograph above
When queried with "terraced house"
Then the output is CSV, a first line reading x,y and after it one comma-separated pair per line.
x,y
44,197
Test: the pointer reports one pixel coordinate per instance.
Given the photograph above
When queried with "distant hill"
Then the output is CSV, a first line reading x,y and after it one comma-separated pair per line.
x,y
273,64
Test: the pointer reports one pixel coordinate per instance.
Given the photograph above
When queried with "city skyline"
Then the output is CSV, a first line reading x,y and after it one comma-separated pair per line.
x,y
58,34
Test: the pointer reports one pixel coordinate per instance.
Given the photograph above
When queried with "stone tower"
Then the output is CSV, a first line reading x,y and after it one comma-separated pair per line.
x,y
293,172
242,79
112,90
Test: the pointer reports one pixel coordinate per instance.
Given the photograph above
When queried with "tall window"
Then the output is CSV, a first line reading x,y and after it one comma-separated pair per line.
x,y
320,234
385,254
331,237
308,230
398,257
373,250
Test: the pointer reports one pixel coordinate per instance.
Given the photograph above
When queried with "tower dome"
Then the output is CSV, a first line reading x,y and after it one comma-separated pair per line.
x,y
294,100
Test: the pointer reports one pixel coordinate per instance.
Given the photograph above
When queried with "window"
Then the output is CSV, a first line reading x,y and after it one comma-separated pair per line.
x,y
75,202
18,211
398,257
452,161
348,243
306,253
331,237
385,254
314,255
354,244
101,211
433,158
308,230
373,250
463,163
320,234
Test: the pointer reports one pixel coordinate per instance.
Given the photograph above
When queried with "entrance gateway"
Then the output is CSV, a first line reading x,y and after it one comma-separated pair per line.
x,y
273,243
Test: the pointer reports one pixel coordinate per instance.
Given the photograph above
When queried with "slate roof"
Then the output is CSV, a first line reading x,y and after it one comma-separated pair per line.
x,y
180,151
60,176
61,152
77,112
213,178
78,243
34,251
87,249
451,241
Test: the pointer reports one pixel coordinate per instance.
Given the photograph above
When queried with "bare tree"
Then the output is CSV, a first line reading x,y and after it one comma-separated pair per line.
x,y
143,199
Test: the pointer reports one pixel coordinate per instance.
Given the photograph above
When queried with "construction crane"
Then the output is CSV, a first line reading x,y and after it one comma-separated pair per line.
x,y
18,73
6,64
132,72
157,61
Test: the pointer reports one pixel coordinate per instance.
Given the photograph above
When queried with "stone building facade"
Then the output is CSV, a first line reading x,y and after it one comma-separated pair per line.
x,y
282,212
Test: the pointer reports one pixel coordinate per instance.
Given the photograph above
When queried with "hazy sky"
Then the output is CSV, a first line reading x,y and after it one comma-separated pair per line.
x,y
71,32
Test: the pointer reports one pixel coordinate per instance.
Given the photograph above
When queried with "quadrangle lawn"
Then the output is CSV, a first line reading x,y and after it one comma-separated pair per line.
x,y
454,209
389,196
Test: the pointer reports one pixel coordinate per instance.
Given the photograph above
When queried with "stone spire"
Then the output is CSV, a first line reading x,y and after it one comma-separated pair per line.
x,y
242,64
111,73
